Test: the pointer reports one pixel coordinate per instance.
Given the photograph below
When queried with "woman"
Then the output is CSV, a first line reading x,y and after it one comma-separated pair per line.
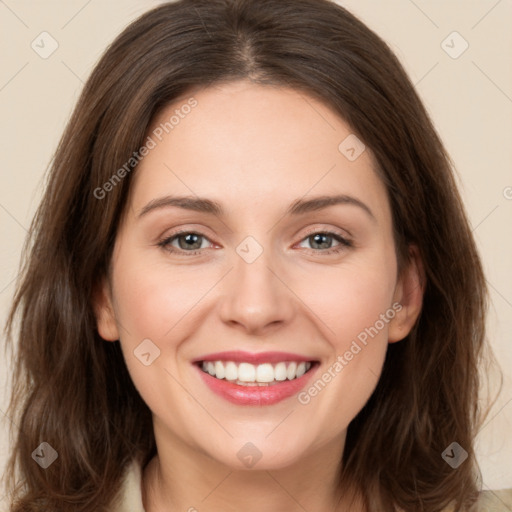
x,y
250,371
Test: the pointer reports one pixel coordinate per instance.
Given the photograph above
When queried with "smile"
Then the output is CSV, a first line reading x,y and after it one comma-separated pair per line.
x,y
247,374
263,384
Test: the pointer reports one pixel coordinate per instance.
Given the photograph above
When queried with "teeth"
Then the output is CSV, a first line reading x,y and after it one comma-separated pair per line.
x,y
247,374
220,373
231,370
292,371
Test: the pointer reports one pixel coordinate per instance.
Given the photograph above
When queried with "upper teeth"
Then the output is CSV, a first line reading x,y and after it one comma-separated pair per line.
x,y
262,373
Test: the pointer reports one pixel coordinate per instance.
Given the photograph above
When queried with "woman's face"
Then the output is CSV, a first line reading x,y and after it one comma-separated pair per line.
x,y
269,272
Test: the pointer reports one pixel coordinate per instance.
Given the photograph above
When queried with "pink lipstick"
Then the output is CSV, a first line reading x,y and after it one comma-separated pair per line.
x,y
255,379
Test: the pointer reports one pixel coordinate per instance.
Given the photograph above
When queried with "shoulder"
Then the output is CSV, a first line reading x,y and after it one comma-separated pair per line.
x,y
129,498
495,501
491,501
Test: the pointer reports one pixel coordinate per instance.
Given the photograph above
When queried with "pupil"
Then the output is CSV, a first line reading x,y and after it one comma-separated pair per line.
x,y
190,238
319,236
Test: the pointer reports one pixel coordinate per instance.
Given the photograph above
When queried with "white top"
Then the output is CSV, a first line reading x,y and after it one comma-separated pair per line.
x,y
130,497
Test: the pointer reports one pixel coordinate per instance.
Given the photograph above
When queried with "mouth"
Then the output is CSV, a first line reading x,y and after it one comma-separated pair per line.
x,y
263,384
261,375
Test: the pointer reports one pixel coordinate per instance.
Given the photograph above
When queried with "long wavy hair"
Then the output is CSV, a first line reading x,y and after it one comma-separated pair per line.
x,y
72,390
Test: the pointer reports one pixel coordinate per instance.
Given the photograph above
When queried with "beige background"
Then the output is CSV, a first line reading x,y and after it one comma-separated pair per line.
x,y
468,97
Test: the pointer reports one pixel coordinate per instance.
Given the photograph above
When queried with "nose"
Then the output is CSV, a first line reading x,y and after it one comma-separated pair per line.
x,y
256,298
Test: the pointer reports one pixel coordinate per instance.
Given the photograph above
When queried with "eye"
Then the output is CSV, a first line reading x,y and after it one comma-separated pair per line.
x,y
189,242
321,240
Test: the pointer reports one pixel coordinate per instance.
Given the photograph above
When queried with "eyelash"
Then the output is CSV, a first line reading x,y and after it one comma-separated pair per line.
x,y
344,243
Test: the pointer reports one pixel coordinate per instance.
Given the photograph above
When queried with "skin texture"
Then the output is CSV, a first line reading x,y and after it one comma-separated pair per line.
x,y
254,149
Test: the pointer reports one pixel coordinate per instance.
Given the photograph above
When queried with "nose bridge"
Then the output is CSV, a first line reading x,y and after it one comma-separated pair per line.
x,y
255,297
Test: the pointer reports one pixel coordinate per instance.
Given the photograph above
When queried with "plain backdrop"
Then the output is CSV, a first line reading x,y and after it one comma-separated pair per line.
x,y
464,79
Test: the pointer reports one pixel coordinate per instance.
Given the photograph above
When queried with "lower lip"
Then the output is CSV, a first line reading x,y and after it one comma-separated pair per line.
x,y
256,395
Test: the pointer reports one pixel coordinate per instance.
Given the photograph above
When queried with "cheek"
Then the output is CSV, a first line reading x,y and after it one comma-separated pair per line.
x,y
351,297
342,300
341,305
343,389
355,308
152,304
154,298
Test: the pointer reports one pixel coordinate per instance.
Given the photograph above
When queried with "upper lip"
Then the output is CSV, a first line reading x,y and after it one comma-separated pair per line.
x,y
248,357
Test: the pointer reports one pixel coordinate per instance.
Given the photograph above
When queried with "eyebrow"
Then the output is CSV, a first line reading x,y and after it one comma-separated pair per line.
x,y
298,207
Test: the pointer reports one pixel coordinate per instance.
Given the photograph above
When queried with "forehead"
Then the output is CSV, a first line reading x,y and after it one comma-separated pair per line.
x,y
240,142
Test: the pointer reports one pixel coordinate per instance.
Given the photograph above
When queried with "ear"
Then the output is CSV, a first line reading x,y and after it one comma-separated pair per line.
x,y
409,293
104,312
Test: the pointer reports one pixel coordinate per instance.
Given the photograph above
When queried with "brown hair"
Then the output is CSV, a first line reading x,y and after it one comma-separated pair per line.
x,y
72,390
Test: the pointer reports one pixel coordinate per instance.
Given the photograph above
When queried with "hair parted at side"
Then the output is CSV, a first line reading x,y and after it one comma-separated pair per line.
x,y
72,389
